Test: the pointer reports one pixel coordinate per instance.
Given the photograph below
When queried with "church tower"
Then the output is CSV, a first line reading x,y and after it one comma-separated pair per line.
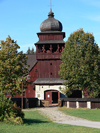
x,y
48,52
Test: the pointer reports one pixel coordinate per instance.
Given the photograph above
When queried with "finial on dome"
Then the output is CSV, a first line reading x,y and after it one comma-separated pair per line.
x,y
51,14
50,6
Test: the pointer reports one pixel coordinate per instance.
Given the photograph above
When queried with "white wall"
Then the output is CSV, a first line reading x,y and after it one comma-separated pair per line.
x,y
39,90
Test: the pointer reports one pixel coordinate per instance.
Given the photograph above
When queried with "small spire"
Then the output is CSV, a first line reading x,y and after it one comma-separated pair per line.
x,y
50,6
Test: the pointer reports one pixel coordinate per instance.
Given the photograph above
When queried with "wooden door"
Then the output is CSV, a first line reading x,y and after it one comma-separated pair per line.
x,y
48,96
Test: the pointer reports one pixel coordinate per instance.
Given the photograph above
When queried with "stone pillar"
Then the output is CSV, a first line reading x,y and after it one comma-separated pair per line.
x,y
67,104
89,105
77,104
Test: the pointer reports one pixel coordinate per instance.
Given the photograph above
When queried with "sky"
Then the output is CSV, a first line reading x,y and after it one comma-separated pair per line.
x,y
21,19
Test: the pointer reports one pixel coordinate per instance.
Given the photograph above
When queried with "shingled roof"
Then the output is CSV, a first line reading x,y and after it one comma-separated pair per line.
x,y
49,81
51,42
31,60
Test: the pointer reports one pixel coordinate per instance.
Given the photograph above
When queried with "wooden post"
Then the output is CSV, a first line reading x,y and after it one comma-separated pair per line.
x,y
51,48
22,95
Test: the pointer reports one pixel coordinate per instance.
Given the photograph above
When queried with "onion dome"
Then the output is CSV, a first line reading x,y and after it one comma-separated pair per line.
x,y
51,24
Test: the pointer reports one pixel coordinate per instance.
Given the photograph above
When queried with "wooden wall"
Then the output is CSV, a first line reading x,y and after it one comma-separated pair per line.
x,y
48,68
30,91
50,37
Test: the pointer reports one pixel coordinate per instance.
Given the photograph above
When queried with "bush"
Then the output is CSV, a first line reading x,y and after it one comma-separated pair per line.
x,y
9,112
17,110
6,106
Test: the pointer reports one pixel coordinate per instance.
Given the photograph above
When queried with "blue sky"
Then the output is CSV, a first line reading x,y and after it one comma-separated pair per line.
x,y
21,19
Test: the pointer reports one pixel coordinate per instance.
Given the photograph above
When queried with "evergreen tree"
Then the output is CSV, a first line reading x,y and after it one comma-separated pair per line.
x,y
30,51
80,65
12,67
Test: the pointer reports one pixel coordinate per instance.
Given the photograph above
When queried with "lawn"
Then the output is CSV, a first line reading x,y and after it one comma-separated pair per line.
x,y
90,114
34,122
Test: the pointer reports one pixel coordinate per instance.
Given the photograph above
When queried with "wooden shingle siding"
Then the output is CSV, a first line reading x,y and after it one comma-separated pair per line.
x,y
95,105
72,104
65,103
82,104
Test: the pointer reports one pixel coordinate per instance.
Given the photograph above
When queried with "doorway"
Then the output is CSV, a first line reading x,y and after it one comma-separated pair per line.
x,y
54,97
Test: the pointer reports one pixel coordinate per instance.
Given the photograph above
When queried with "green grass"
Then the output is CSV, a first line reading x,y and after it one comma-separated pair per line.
x,y
90,114
34,122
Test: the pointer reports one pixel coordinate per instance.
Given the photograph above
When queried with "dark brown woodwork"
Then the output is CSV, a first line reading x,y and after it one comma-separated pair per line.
x,y
82,104
30,92
51,48
48,95
72,104
46,56
95,105
46,70
50,37
64,103
43,49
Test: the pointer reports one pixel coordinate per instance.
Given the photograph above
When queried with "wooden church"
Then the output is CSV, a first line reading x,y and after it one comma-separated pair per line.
x,y
48,52
45,64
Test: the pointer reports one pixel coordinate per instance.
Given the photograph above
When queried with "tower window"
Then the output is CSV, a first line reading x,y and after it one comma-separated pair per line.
x,y
54,48
50,63
51,73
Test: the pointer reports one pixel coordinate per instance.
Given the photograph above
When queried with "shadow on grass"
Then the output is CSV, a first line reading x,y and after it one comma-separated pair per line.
x,y
33,121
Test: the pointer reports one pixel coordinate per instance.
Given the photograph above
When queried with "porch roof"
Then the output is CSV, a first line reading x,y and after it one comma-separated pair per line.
x,y
49,81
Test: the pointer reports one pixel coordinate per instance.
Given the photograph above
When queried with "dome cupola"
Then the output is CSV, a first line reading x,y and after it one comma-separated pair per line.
x,y
51,24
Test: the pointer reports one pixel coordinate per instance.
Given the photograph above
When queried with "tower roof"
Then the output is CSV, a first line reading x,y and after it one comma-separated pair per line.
x,y
51,24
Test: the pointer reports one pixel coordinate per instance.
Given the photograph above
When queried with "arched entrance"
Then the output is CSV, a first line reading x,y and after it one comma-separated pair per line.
x,y
52,96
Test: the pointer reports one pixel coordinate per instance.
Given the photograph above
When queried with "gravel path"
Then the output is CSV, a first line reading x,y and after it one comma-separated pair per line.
x,y
59,117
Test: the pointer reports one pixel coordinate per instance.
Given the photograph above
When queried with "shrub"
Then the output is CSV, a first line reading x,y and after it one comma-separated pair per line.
x,y
9,112
6,106
17,110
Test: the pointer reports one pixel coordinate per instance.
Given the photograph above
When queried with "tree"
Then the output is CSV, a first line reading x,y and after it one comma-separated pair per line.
x,y
12,67
80,65
30,51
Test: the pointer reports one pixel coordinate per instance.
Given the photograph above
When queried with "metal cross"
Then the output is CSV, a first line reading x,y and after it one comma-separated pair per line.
x,y
50,6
